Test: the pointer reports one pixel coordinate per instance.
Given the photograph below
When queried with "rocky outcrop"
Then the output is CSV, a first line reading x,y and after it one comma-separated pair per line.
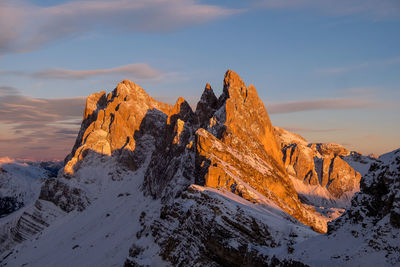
x,y
171,168
321,165
205,228
110,123
67,197
238,152
206,107
244,121
379,196
9,205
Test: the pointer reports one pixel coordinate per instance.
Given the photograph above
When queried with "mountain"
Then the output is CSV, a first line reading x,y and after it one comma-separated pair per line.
x,y
151,184
236,150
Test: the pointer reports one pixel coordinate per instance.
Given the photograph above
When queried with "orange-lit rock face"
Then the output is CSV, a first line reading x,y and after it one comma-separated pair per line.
x,y
247,120
242,155
111,121
337,176
250,177
318,164
242,123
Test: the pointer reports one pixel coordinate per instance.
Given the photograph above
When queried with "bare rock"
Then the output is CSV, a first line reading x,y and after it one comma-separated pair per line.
x,y
319,164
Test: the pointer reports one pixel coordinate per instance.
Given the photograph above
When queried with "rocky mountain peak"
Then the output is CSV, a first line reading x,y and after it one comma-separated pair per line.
x,y
233,81
110,122
182,110
127,87
206,107
241,126
245,117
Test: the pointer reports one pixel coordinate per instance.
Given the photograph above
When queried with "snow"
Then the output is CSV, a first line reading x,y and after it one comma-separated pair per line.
x,y
343,249
101,235
22,179
389,157
287,137
359,162
320,196
362,237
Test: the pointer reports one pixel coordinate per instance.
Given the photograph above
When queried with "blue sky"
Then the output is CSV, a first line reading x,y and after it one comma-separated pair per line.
x,y
328,70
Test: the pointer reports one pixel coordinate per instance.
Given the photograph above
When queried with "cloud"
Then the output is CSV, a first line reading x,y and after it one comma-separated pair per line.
x,y
312,130
28,124
139,71
25,27
320,104
8,90
344,69
362,65
373,9
30,111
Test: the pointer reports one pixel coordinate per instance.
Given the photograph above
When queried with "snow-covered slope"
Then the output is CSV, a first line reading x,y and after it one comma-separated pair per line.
x,y
20,182
124,226
359,162
368,234
101,234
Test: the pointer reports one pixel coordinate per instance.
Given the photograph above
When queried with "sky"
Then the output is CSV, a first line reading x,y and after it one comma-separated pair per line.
x,y
328,70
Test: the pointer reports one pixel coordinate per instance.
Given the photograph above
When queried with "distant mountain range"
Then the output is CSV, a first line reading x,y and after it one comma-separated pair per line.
x,y
151,184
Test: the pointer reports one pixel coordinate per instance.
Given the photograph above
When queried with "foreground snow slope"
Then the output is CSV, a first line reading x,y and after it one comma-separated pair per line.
x,y
100,235
121,217
368,234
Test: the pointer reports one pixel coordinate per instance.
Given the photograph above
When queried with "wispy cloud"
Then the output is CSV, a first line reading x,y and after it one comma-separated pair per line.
x,y
312,130
25,27
373,9
29,123
8,90
137,71
359,66
320,104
